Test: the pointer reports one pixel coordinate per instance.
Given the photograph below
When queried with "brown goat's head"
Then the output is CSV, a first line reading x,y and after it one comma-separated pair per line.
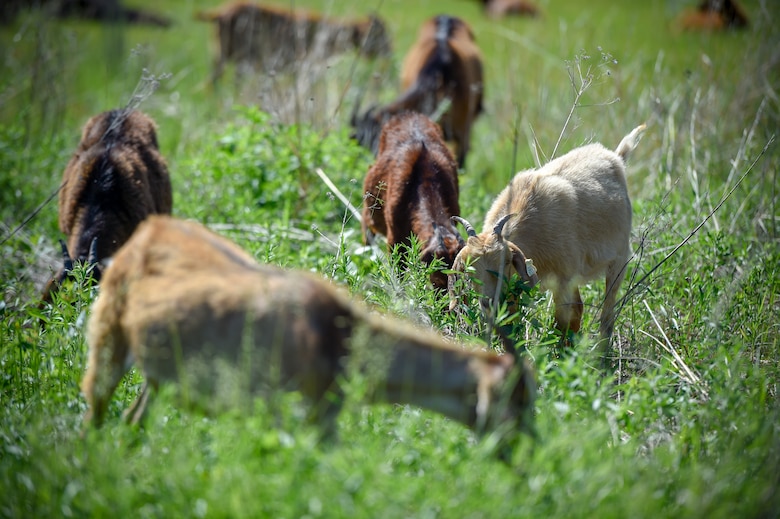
x,y
444,244
491,256
368,127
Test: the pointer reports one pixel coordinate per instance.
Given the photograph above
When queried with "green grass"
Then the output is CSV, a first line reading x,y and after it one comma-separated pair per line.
x,y
688,426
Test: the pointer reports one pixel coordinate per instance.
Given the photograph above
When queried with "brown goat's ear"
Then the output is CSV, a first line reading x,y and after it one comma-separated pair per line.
x,y
524,267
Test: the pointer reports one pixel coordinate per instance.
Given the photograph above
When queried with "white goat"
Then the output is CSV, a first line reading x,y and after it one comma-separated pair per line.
x,y
572,218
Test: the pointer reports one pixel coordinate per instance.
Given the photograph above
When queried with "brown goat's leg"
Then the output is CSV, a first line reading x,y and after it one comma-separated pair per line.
x,y
108,361
462,142
134,414
98,391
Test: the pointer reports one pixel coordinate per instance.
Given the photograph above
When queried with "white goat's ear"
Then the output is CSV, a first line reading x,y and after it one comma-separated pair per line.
x,y
524,267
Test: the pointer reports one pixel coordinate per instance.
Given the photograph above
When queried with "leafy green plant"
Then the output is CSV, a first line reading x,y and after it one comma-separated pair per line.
x,y
688,423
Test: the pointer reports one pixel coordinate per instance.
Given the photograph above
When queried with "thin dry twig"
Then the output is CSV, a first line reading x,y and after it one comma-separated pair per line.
x,y
344,200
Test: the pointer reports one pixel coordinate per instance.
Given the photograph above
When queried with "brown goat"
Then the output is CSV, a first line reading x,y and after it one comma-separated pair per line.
x,y
444,65
184,303
115,179
501,8
412,188
572,218
107,10
714,15
274,38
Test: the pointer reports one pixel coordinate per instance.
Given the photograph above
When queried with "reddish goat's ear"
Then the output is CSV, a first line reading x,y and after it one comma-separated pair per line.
x,y
525,269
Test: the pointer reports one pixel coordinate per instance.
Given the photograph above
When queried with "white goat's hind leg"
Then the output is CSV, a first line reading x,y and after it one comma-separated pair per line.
x,y
615,274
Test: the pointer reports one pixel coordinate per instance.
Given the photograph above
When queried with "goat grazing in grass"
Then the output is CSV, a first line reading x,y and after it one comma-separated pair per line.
x,y
275,38
116,179
182,303
106,10
412,188
714,15
572,218
443,66
501,8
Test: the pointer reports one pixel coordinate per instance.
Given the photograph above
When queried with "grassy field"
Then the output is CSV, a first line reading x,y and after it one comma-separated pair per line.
x,y
687,426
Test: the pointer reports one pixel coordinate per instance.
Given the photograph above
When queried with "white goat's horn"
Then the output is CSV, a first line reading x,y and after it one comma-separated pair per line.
x,y
500,224
466,225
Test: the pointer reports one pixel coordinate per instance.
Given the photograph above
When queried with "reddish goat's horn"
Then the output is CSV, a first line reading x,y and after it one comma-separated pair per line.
x,y
500,224
466,225
67,262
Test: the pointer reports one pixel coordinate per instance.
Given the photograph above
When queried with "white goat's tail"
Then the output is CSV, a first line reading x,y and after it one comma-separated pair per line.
x,y
629,142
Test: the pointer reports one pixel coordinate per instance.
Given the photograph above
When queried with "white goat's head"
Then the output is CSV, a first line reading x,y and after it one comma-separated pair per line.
x,y
492,257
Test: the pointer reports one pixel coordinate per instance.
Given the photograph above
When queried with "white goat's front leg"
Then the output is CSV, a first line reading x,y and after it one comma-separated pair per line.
x,y
568,309
615,274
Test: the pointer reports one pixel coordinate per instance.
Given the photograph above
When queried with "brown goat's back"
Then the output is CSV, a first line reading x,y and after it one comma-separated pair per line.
x,y
115,179
178,291
412,189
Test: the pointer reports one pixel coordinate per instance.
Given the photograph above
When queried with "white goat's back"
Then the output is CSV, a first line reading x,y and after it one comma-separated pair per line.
x,y
574,213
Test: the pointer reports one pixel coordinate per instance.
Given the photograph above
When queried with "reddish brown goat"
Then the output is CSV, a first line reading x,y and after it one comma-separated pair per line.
x,y
501,8
412,188
714,15
444,65
275,38
116,179
191,307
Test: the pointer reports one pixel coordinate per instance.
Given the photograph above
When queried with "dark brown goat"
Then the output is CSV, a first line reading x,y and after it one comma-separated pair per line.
x,y
444,65
191,307
108,10
714,15
412,188
101,10
116,179
274,38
